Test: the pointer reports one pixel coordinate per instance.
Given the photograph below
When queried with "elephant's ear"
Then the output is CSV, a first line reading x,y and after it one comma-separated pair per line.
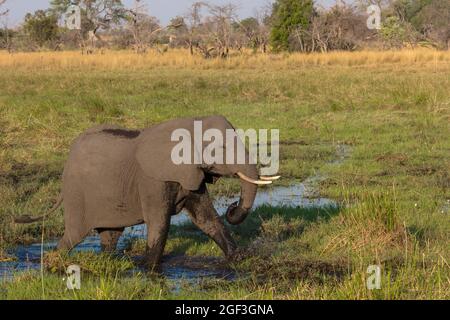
x,y
154,157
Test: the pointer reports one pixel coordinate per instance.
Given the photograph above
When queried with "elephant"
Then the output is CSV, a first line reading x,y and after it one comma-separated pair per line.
x,y
116,178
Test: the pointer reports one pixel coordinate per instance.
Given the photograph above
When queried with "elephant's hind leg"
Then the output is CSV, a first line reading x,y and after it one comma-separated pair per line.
x,y
157,211
109,238
74,222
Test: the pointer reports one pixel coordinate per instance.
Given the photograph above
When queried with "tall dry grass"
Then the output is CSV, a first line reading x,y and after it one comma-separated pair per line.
x,y
182,59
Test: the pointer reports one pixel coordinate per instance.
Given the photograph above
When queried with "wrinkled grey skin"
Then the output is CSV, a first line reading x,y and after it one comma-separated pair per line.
x,y
116,178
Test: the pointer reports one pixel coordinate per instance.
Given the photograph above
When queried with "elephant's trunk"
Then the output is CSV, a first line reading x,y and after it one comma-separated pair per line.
x,y
238,212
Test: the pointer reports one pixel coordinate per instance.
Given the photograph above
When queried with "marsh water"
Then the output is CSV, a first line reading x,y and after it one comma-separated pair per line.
x,y
300,194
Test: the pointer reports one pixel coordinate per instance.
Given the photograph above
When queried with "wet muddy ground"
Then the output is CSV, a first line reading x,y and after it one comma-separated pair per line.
x,y
182,267
28,257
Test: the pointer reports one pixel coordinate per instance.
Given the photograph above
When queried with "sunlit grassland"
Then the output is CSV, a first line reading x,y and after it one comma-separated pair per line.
x,y
392,108
178,58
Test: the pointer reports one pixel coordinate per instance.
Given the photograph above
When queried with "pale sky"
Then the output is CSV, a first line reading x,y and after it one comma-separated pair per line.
x,y
162,9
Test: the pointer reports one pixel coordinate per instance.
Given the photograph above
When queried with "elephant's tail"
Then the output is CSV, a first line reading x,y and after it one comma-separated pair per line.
x,y
27,219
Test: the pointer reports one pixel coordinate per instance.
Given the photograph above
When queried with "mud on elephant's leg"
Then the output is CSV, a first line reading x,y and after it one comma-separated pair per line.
x,y
157,232
158,208
205,217
109,238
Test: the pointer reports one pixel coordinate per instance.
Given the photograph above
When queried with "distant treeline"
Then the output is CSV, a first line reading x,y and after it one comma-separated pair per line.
x,y
215,30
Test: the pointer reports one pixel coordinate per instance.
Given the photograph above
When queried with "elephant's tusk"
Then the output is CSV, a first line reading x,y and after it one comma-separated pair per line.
x,y
269,178
257,182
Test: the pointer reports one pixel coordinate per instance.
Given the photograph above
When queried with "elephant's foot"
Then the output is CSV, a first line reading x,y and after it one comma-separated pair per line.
x,y
152,259
152,266
236,255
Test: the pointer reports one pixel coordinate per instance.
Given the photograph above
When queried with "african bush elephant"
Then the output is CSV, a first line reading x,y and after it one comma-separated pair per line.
x,y
116,178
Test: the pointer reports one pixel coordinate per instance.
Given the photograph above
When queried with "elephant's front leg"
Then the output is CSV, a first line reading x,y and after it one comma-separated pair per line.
x,y
157,229
204,216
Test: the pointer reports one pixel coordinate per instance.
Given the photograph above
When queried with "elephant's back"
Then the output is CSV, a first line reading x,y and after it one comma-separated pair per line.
x,y
102,145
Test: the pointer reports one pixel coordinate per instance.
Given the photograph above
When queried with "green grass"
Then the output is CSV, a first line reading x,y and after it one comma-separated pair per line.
x,y
314,253
393,188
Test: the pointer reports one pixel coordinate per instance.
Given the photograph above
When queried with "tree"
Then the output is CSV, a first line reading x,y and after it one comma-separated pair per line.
x,y
393,32
96,15
436,26
4,34
433,20
254,31
3,12
211,35
178,32
288,15
427,18
192,21
249,29
341,27
221,27
41,27
142,26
